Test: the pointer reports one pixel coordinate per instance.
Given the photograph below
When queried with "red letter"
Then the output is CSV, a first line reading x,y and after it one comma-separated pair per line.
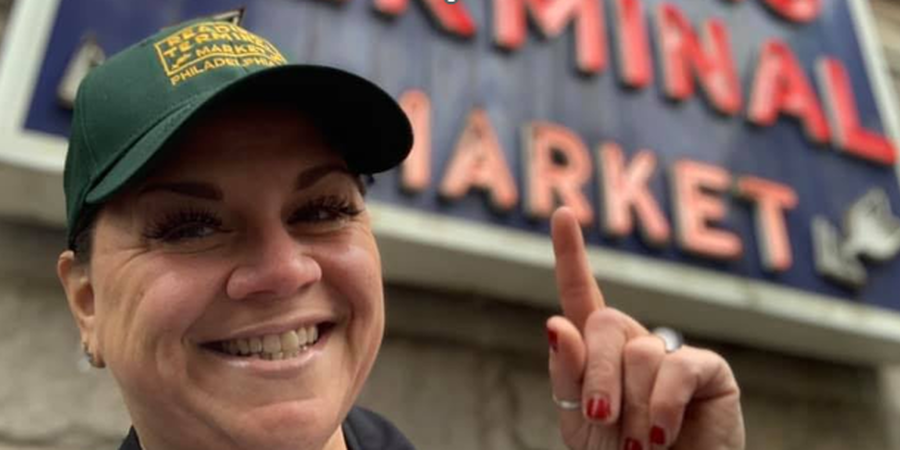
x,y
557,162
551,17
454,18
633,53
478,162
848,132
416,169
695,209
781,86
624,189
771,200
796,10
681,50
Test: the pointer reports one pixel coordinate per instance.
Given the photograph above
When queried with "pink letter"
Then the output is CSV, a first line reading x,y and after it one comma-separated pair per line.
x,y
771,200
849,134
624,189
633,53
557,165
695,209
681,50
478,162
416,169
781,86
796,10
453,18
551,17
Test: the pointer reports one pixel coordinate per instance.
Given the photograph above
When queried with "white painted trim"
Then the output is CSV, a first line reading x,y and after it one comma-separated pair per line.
x,y
878,70
434,250
21,55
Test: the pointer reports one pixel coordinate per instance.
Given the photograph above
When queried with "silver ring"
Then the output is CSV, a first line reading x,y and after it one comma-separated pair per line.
x,y
672,339
567,405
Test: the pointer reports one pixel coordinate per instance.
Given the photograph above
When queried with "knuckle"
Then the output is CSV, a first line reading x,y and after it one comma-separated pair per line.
x,y
576,290
667,406
601,369
605,319
685,366
644,351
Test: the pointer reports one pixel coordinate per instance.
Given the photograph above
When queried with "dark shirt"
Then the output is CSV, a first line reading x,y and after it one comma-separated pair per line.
x,y
363,430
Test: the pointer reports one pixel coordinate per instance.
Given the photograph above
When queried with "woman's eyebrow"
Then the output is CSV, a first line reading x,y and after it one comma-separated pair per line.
x,y
310,176
208,191
197,189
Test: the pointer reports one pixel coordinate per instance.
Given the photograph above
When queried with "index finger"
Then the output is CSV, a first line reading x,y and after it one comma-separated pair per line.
x,y
579,294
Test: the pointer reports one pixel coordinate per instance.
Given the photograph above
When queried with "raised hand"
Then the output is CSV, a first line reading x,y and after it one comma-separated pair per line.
x,y
616,385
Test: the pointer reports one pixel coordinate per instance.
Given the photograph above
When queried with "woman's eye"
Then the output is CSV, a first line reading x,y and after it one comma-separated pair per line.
x,y
190,231
323,210
184,226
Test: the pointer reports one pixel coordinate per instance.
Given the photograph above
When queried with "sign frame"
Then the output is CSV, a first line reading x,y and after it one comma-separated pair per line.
x,y
497,262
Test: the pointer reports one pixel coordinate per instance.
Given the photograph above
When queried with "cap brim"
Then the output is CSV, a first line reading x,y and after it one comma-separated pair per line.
x,y
360,120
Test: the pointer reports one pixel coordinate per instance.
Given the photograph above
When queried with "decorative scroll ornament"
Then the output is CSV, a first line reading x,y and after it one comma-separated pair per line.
x,y
87,56
872,235
235,16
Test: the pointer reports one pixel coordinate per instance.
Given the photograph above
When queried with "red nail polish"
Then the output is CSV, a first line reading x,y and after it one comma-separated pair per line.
x,y
598,408
631,444
657,436
553,338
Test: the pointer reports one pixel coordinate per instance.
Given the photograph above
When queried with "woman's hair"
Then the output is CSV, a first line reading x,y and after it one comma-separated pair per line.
x,y
84,238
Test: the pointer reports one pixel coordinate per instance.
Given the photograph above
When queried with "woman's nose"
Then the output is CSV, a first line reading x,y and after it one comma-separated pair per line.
x,y
273,265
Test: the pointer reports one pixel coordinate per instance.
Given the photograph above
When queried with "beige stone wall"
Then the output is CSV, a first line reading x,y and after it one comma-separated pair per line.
x,y
456,371
887,21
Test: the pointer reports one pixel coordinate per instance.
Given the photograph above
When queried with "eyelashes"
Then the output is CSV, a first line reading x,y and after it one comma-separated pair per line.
x,y
325,208
181,224
196,223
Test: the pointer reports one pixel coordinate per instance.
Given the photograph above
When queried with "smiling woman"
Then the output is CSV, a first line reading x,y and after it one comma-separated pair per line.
x,y
222,265
256,285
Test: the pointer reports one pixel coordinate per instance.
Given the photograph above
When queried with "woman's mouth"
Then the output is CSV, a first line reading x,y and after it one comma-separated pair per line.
x,y
286,345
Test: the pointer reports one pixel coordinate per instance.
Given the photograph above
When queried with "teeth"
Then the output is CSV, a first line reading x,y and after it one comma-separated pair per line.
x,y
255,345
271,343
289,344
301,336
290,341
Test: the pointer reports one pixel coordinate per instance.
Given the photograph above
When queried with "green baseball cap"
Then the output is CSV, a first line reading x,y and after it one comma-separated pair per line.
x,y
129,108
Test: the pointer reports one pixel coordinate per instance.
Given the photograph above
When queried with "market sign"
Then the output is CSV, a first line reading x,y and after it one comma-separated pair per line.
x,y
738,140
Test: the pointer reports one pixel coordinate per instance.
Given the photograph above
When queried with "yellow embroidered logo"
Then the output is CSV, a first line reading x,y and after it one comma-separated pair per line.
x,y
206,46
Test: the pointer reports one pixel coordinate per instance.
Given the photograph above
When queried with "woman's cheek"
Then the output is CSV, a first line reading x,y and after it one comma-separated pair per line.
x,y
165,301
353,270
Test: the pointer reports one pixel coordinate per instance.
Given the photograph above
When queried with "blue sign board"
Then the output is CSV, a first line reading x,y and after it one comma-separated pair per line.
x,y
540,81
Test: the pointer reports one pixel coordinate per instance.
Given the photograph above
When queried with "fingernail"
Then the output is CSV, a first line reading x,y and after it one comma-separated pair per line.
x,y
657,436
553,338
631,444
598,408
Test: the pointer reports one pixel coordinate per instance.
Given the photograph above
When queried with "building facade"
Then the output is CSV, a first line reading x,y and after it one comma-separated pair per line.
x,y
464,361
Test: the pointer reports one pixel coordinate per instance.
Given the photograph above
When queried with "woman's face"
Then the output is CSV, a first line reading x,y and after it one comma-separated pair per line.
x,y
251,238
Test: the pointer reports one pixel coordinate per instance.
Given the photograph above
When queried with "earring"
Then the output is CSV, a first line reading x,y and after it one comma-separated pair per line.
x,y
90,358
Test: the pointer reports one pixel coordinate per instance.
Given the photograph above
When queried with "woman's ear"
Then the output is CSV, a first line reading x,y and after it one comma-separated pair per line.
x,y
76,282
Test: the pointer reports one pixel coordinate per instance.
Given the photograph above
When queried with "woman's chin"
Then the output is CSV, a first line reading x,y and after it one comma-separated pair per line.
x,y
289,425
